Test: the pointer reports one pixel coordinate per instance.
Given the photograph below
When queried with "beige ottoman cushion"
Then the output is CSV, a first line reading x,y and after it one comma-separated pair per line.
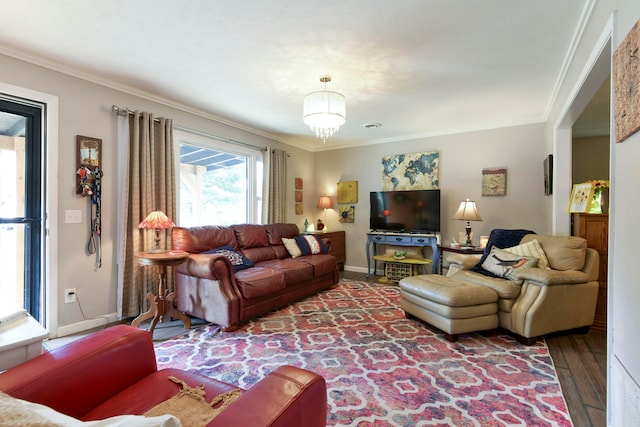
x,y
451,305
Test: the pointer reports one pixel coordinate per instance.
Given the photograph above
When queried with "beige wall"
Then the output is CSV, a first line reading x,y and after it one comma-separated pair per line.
x,y
462,158
590,159
624,292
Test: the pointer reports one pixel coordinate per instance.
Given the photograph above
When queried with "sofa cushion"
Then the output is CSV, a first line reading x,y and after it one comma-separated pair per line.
x,y
238,261
311,244
565,253
503,263
259,281
260,254
531,249
200,239
506,289
275,232
251,235
294,271
322,263
292,247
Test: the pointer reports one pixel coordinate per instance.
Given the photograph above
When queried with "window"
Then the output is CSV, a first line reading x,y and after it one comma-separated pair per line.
x,y
219,183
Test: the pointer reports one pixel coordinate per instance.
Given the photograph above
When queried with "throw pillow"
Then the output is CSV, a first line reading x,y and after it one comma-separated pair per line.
x,y
532,249
238,261
18,412
503,263
311,244
292,247
500,238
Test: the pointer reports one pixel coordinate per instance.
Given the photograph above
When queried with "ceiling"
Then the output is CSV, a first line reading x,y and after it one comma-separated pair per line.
x,y
418,67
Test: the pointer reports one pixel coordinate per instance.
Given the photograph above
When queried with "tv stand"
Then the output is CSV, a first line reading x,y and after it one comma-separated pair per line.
x,y
396,238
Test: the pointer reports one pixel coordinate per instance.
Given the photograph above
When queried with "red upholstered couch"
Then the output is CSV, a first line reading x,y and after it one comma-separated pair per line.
x,y
208,288
113,372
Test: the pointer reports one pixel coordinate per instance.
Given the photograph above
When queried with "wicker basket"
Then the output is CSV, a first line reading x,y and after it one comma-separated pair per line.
x,y
396,271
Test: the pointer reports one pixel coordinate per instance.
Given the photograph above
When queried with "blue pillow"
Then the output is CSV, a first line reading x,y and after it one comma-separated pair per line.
x,y
311,244
238,261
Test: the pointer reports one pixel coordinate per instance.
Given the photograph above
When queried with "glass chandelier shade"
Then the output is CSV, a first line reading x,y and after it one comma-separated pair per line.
x,y
324,111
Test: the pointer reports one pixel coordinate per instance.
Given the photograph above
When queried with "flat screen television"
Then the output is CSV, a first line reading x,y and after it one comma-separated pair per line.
x,y
409,211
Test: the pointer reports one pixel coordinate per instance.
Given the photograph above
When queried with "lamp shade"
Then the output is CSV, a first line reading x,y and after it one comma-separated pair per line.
x,y
467,211
324,202
156,219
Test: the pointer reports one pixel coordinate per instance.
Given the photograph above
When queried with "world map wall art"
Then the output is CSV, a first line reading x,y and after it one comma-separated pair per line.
x,y
413,171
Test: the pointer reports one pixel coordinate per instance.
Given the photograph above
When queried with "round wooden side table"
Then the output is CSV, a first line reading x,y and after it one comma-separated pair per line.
x,y
162,303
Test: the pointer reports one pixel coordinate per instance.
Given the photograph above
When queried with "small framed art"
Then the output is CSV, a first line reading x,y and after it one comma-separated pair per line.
x,y
494,182
548,174
581,196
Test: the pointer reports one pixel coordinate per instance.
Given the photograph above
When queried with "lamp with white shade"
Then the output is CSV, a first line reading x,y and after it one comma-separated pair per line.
x,y
467,211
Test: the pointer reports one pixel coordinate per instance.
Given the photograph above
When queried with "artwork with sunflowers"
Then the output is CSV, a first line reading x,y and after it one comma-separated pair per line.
x,y
581,197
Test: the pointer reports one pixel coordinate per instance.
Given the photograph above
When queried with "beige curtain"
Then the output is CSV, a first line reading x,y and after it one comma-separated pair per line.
x,y
150,185
275,186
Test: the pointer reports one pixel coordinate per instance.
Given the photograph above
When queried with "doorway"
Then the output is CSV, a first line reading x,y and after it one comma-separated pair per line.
x,y
22,227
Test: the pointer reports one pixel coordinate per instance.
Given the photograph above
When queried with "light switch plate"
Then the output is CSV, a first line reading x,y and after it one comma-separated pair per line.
x,y
72,217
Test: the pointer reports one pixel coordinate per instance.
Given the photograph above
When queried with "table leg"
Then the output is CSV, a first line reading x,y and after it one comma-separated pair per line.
x,y
170,310
161,305
152,312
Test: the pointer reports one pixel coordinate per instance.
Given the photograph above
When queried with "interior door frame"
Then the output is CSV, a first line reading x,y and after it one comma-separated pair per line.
x,y
50,146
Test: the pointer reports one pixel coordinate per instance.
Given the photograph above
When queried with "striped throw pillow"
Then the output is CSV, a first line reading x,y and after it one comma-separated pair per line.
x,y
531,249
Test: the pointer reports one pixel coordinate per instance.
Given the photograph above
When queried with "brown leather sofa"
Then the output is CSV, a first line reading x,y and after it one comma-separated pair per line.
x,y
113,372
538,301
207,287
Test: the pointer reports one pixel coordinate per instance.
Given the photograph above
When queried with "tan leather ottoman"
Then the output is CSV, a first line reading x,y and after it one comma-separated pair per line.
x,y
451,305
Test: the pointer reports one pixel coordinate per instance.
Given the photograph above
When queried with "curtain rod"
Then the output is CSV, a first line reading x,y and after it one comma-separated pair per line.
x,y
125,111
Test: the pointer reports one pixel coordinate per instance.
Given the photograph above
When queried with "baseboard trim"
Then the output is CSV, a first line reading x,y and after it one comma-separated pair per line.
x,y
86,325
355,269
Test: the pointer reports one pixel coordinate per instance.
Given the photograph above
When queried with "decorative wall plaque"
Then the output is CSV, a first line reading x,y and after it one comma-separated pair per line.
x,y
626,85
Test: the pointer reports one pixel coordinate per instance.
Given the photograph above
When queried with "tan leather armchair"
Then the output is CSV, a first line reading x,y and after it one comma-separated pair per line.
x,y
538,301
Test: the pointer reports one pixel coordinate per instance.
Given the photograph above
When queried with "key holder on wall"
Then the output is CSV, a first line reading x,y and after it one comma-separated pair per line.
x,y
89,177
89,159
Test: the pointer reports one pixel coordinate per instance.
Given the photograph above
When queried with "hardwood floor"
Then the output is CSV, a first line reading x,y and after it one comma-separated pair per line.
x,y
581,363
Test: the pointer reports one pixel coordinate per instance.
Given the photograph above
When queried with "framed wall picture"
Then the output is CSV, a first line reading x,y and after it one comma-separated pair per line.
x,y
548,174
626,89
89,163
347,213
581,196
412,171
347,192
494,182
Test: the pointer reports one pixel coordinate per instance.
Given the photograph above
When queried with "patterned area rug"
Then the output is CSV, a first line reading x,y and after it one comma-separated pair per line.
x,y
381,368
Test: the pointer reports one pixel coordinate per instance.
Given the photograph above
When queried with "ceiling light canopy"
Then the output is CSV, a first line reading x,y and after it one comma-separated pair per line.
x,y
324,111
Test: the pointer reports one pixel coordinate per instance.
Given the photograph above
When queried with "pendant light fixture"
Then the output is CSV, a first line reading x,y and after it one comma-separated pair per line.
x,y
324,111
